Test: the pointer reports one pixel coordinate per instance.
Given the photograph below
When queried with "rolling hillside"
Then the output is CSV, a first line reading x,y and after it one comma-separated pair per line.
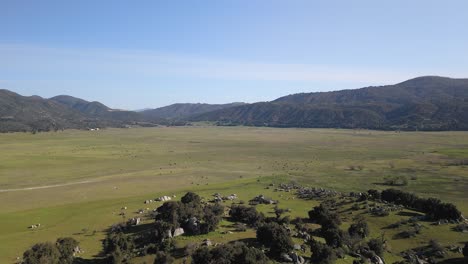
x,y
178,111
97,110
34,114
424,103
22,113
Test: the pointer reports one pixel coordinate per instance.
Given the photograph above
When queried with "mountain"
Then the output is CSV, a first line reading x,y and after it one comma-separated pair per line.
x,y
424,103
33,113
97,109
89,108
23,113
181,111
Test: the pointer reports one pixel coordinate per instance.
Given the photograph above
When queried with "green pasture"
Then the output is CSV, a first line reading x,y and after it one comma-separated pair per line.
x,y
74,183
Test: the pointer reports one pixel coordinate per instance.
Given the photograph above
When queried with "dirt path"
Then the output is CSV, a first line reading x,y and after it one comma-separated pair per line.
x,y
46,186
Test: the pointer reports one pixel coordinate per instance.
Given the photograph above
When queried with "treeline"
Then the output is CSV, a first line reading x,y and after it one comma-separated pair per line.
x,y
434,208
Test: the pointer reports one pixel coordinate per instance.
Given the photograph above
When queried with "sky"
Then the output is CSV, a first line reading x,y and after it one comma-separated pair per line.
x,y
147,54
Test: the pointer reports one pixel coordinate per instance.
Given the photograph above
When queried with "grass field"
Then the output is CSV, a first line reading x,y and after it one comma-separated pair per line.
x,y
75,182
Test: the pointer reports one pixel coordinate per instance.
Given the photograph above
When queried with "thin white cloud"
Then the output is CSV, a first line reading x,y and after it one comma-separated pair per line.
x,y
110,63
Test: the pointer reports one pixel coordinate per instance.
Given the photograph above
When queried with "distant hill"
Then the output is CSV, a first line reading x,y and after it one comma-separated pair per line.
x,y
89,108
22,113
181,111
424,103
97,109
33,113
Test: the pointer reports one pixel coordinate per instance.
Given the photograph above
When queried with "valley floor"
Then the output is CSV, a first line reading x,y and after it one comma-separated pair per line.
x,y
74,183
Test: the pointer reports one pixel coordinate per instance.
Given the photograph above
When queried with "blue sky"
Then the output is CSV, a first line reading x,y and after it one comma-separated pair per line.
x,y
137,54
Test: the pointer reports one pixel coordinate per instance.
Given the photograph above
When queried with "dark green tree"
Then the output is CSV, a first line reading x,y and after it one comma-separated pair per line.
x,y
323,216
275,237
191,197
42,253
359,229
163,258
237,253
377,245
66,247
321,253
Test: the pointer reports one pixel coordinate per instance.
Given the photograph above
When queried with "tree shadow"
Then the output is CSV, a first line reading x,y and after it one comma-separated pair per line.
x,y
248,241
409,214
454,261
90,261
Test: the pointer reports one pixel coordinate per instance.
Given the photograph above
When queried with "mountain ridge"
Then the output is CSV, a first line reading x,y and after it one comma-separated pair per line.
x,y
184,110
422,103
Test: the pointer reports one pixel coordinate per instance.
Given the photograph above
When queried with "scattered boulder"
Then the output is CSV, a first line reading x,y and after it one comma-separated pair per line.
x,y
178,232
292,258
207,243
163,198
286,257
261,199
376,260
296,258
134,221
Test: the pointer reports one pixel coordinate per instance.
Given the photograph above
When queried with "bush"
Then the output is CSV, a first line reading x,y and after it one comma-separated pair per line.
x,y
360,229
62,252
321,253
275,237
191,197
163,258
42,253
323,216
66,247
377,245
247,215
237,253
334,237
396,181
119,246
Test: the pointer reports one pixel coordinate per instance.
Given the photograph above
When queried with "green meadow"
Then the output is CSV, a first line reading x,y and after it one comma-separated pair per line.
x,y
74,183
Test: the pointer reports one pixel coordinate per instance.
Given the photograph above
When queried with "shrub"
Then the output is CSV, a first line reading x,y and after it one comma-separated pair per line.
x,y
360,229
163,258
334,237
377,245
275,237
323,216
237,253
42,253
247,215
66,247
396,181
321,253
62,252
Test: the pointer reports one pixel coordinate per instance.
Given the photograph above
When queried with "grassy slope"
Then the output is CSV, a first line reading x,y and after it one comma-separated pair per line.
x,y
127,166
